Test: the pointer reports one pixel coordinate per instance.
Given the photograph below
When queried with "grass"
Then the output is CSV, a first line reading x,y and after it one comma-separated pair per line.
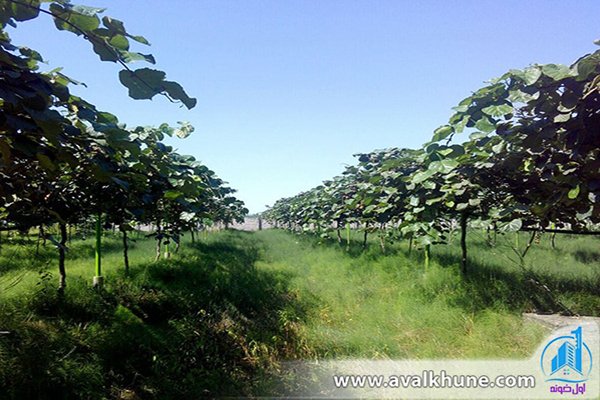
x,y
376,306
218,317
204,323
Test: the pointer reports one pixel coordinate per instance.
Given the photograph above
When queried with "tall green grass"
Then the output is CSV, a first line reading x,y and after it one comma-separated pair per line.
x,y
366,304
206,322
219,316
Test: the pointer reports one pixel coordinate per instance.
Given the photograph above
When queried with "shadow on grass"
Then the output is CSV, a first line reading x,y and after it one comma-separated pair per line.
x,y
204,323
490,285
587,256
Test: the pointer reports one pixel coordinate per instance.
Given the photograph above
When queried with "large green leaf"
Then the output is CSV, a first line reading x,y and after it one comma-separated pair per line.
x,y
485,125
145,83
556,72
175,90
70,20
497,110
442,133
443,166
530,75
512,226
24,10
422,176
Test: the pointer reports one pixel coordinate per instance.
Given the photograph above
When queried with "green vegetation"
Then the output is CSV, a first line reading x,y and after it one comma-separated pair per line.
x,y
64,161
531,163
202,323
218,317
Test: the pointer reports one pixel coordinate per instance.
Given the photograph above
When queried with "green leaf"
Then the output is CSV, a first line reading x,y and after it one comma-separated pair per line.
x,y
105,51
498,110
5,150
499,148
562,118
573,193
184,131
477,135
512,226
422,176
585,215
442,133
443,166
114,25
129,57
120,42
139,39
24,10
586,67
175,90
485,125
27,52
556,72
414,201
69,20
518,96
45,162
143,83
462,206
86,10
460,125
172,194
461,108
530,75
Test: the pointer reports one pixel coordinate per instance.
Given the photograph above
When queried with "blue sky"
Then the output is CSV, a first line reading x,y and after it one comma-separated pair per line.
x,y
289,90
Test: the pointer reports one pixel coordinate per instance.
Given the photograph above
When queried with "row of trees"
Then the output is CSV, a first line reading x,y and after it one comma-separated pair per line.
x,y
63,161
531,163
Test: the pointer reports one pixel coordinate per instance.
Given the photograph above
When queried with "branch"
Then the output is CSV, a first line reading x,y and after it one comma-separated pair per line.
x,y
100,42
569,231
533,233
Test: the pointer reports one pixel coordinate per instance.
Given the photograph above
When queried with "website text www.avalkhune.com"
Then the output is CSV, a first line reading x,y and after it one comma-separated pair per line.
x,y
429,379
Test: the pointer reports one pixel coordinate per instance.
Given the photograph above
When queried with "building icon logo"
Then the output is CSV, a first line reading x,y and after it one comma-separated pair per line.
x,y
567,359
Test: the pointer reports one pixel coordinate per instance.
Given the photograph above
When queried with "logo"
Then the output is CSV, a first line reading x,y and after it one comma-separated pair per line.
x,y
567,359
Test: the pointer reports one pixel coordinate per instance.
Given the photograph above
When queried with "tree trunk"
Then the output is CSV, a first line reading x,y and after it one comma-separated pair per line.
x,y
463,242
193,238
62,281
337,228
99,245
37,243
125,248
347,236
410,245
158,250
364,244
427,255
382,238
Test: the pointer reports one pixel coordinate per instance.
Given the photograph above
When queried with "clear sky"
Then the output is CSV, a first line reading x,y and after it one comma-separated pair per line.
x,y
289,90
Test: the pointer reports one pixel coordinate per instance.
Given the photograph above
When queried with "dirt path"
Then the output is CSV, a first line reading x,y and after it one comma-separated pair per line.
x,y
554,321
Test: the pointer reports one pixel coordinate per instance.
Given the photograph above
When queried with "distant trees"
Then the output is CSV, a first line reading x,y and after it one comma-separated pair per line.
x,y
532,160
